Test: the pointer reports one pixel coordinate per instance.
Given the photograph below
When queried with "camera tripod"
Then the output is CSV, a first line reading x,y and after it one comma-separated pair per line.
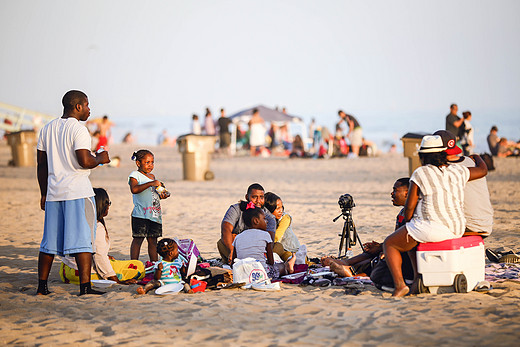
x,y
349,235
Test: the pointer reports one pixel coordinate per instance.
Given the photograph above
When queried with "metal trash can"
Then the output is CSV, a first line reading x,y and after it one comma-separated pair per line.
x,y
23,147
411,145
196,151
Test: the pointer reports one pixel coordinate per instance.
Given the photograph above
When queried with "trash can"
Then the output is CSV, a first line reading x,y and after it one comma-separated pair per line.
x,y
23,147
196,151
411,145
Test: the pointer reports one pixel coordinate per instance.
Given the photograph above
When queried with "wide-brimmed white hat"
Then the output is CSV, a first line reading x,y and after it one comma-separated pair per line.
x,y
431,144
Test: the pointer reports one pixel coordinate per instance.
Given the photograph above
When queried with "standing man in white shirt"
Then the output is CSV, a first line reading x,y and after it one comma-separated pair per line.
x,y
64,162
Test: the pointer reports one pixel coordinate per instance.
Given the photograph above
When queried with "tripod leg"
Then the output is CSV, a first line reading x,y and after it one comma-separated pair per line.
x,y
343,236
357,237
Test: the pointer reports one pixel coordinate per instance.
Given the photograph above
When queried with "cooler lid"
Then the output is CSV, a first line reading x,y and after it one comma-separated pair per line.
x,y
450,245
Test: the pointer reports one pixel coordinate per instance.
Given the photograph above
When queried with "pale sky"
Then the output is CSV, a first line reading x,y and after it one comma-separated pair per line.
x,y
173,58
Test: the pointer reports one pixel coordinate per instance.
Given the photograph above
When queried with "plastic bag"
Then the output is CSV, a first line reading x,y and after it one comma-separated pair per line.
x,y
248,270
301,255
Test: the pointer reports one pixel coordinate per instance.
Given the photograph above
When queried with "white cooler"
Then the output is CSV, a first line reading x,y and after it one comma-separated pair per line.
x,y
458,262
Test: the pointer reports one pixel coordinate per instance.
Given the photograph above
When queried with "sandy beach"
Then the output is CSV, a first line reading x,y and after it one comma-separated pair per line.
x,y
295,315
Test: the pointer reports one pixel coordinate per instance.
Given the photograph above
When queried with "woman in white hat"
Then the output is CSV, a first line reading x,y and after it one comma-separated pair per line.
x,y
434,206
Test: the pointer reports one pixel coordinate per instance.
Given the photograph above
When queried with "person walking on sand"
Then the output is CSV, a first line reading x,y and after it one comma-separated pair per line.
x,y
64,162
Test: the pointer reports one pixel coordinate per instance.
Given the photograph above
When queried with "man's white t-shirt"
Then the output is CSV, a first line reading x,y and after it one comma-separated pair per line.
x,y
477,205
60,139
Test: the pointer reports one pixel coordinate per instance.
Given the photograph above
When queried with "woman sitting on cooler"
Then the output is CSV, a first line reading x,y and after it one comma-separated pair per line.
x,y
434,208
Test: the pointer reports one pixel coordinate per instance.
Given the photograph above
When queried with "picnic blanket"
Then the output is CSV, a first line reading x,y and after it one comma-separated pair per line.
x,y
500,272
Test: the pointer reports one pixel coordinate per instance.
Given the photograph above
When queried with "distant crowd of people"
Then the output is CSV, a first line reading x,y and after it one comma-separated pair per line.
x,y
347,140
261,140
464,132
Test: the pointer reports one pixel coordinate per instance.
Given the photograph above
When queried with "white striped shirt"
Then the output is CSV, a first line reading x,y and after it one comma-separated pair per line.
x,y
441,195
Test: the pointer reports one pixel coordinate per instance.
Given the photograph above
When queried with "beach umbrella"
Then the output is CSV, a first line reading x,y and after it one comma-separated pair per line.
x,y
268,114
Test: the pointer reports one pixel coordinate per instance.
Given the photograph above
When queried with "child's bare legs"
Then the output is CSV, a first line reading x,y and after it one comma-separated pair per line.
x,y
153,284
187,289
135,247
152,248
287,268
394,244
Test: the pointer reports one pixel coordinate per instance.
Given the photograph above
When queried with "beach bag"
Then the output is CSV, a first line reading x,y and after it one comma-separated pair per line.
x,y
248,270
187,248
381,275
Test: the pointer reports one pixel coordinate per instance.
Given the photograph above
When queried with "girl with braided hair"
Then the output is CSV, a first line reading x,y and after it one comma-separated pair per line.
x,y
146,195
168,270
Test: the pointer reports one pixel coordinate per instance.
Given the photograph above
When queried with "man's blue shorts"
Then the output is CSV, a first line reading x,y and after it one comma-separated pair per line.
x,y
70,227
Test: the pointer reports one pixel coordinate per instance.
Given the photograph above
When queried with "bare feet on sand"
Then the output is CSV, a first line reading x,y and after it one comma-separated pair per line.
x,y
400,292
342,270
325,261
140,290
289,266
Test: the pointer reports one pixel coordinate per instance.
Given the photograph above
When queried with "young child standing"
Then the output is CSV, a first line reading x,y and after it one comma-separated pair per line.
x,y
255,242
146,215
168,270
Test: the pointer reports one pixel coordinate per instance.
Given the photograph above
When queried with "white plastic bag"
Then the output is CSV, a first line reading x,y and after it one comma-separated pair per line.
x,y
248,270
301,255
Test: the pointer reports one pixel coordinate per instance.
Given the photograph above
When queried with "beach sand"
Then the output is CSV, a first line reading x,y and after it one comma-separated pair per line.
x,y
295,315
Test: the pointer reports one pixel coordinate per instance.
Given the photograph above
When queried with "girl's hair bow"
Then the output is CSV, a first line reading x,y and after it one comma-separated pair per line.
x,y
250,205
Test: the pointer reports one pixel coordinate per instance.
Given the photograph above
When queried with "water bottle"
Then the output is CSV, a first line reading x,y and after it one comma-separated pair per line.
x,y
100,150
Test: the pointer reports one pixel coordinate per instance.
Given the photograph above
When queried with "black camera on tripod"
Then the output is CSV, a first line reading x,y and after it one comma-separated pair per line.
x,y
346,202
349,235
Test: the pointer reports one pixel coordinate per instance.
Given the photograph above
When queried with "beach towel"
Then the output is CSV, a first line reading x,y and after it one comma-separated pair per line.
x,y
502,272
124,269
